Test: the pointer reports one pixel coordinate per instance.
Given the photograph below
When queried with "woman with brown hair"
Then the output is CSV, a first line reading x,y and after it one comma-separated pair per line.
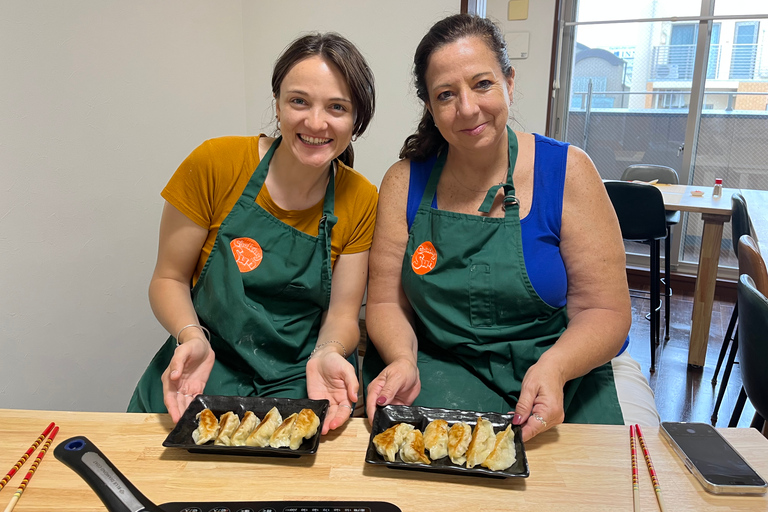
x,y
497,276
273,235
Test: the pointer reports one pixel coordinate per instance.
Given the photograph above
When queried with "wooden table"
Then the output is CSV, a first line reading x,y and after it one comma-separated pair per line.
x,y
714,213
573,468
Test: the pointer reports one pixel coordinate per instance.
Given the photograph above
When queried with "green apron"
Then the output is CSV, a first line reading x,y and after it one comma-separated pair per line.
x,y
261,293
479,322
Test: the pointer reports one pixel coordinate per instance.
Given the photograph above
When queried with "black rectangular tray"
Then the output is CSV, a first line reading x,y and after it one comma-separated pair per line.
x,y
181,436
420,417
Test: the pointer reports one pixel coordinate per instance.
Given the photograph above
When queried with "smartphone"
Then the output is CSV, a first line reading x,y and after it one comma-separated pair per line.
x,y
711,459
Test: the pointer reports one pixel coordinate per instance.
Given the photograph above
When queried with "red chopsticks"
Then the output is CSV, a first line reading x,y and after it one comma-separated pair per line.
x,y
32,470
635,486
648,462
24,457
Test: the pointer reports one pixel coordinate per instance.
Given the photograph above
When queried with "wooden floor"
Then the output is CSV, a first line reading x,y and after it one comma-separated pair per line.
x,y
684,394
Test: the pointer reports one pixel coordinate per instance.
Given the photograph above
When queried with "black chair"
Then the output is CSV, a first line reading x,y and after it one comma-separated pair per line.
x,y
740,226
667,175
753,347
640,210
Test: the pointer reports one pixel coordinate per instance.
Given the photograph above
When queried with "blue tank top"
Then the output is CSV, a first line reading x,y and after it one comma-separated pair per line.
x,y
540,229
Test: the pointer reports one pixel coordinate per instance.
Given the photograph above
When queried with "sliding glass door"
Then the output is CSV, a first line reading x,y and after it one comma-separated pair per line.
x,y
681,83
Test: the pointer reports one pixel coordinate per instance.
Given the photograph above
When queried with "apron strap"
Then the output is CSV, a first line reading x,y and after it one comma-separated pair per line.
x,y
254,185
510,200
434,178
327,221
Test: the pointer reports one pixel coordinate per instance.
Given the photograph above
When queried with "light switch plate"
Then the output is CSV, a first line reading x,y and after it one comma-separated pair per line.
x,y
517,44
517,10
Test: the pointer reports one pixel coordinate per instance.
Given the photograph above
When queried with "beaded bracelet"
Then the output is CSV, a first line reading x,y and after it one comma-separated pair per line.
x,y
327,342
205,331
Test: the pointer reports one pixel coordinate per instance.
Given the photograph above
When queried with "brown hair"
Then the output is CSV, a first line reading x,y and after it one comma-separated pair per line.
x,y
340,52
427,140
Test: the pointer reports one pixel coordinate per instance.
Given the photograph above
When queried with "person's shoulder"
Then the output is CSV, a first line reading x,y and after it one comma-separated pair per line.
x,y
398,174
579,161
352,178
230,142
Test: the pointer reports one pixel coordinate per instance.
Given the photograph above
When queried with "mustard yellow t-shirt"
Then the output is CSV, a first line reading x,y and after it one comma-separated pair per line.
x,y
212,178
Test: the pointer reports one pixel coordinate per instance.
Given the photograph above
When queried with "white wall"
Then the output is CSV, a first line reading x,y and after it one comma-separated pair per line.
x,y
531,97
99,103
100,100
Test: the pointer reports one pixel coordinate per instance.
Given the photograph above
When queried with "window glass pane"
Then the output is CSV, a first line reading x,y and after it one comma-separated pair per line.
x,y
732,141
630,92
600,10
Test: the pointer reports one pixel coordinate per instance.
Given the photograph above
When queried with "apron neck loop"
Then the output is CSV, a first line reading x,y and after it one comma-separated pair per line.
x,y
509,187
254,185
330,195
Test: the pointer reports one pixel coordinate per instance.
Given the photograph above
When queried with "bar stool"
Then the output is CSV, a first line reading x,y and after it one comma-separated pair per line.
x,y
753,348
740,226
640,210
666,175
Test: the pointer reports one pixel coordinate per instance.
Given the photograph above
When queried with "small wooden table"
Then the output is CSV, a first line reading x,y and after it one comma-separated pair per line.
x,y
714,212
573,468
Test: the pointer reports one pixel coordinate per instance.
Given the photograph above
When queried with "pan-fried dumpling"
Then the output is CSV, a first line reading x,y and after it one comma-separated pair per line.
x,y
412,450
459,436
264,430
305,427
228,424
282,434
436,439
504,453
249,422
482,443
388,443
207,427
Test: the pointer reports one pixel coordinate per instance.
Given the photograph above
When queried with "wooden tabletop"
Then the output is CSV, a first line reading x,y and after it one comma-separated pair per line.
x,y
572,468
678,197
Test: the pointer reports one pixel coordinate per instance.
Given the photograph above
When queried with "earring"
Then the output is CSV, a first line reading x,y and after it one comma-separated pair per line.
x,y
354,138
278,122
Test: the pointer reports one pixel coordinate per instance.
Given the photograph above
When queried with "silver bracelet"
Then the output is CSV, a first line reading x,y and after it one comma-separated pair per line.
x,y
205,331
327,342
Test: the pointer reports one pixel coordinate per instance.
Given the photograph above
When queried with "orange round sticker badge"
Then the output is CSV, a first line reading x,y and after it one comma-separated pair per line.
x,y
424,258
247,253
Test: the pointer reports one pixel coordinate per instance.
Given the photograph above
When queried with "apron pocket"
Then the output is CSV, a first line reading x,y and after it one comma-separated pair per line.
x,y
480,296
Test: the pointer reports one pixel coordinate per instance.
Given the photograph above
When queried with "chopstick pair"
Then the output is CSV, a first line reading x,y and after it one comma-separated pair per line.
x,y
52,429
651,470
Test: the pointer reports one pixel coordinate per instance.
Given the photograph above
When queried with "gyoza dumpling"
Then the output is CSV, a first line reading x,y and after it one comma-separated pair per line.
x,y
459,436
436,439
305,427
412,449
249,422
388,443
504,453
282,434
228,423
264,430
482,443
207,427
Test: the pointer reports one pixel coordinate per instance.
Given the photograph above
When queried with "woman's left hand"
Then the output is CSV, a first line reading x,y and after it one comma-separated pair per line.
x,y
331,377
540,406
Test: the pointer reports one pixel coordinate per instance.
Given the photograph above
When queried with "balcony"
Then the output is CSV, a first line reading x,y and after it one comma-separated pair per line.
x,y
742,62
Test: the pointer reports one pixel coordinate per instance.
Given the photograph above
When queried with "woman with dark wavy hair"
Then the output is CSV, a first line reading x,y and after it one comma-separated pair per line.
x,y
273,235
497,276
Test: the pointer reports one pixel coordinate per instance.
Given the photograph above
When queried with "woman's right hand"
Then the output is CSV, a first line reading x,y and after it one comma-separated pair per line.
x,y
187,374
397,384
